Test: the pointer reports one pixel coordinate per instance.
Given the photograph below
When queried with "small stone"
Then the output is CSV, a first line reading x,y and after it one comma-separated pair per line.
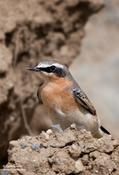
x,y
49,131
75,151
85,159
73,126
96,171
23,145
35,146
46,135
79,166
13,143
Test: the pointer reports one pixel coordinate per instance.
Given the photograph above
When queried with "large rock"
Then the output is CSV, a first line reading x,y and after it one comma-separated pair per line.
x,y
69,152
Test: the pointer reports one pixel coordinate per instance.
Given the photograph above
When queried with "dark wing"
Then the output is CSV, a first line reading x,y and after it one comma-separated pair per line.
x,y
81,98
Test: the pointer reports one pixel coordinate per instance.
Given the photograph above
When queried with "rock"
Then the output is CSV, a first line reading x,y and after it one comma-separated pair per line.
x,y
63,160
5,60
79,166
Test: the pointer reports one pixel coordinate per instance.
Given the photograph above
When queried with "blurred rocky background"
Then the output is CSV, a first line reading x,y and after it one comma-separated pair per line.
x,y
97,67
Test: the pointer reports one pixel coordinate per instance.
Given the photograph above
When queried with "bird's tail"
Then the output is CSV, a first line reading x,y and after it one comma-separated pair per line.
x,y
104,130
100,132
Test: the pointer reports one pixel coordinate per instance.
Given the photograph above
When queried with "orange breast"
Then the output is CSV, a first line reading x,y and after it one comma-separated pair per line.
x,y
57,94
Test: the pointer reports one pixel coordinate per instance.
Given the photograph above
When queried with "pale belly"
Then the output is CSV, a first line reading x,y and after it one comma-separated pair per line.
x,y
65,119
58,115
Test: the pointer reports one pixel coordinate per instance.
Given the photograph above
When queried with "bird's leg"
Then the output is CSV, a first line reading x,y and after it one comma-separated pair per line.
x,y
57,127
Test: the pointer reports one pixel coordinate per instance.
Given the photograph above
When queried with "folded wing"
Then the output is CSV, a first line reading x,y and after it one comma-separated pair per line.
x,y
81,98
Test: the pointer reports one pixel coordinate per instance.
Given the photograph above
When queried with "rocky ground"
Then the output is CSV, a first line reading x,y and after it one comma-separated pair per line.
x,y
29,31
69,153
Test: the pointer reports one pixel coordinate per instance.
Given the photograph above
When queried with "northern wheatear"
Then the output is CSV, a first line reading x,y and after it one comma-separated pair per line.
x,y
64,99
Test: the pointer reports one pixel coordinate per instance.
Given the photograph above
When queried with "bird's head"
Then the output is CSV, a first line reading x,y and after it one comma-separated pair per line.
x,y
50,69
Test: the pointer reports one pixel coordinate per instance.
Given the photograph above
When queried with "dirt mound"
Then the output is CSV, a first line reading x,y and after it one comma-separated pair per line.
x,y
70,152
31,30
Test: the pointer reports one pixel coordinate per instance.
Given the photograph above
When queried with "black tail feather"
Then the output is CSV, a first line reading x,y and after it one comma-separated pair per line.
x,y
104,130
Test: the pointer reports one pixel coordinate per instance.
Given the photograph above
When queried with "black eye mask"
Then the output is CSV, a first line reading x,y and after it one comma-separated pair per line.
x,y
52,69
48,69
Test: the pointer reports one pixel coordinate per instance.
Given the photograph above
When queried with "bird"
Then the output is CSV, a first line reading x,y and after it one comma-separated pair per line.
x,y
65,101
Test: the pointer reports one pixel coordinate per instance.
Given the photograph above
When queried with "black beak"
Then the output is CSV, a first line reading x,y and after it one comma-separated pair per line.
x,y
33,69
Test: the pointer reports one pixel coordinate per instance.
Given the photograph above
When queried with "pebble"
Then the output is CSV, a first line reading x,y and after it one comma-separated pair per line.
x,y
79,166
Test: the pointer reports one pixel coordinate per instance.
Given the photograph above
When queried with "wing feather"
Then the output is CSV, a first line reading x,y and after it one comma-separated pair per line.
x,y
82,98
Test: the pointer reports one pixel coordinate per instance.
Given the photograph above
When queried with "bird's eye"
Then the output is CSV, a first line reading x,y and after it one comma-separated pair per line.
x,y
52,68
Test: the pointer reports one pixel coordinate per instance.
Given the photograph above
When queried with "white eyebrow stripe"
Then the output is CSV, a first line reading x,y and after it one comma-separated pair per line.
x,y
42,65
58,65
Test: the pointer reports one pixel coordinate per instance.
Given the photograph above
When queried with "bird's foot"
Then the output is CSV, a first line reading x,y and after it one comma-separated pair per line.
x,y
57,127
